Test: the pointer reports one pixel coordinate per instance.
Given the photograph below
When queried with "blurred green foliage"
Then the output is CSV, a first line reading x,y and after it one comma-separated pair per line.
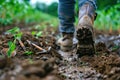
x,y
28,52
16,12
12,11
105,4
108,19
20,11
49,9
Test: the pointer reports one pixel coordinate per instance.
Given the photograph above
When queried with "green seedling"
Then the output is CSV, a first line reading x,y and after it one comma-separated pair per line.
x,y
15,32
28,53
39,34
17,36
12,47
33,33
115,48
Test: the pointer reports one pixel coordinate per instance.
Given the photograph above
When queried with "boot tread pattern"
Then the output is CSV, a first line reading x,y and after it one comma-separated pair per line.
x,y
85,42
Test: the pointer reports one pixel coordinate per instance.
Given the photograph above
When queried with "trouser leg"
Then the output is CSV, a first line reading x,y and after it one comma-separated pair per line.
x,y
66,16
82,2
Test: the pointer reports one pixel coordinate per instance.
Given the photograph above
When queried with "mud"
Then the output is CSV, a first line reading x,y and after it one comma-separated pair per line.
x,y
49,63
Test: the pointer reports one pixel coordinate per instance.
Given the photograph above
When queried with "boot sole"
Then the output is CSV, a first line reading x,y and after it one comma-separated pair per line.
x,y
85,44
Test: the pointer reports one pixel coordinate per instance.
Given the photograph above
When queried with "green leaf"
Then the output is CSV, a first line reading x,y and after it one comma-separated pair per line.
x,y
13,30
12,47
33,33
28,52
18,35
39,34
115,48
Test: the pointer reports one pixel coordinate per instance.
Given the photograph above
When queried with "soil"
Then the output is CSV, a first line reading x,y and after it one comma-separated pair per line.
x,y
49,63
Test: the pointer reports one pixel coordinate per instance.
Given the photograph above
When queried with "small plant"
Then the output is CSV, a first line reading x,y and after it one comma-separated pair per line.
x,y
33,33
17,36
28,53
15,32
12,47
39,34
115,48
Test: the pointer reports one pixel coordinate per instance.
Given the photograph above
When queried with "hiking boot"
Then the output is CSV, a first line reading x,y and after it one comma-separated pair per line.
x,y
84,32
66,42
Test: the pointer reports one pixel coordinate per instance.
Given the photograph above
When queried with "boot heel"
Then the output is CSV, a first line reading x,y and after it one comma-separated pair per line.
x,y
85,44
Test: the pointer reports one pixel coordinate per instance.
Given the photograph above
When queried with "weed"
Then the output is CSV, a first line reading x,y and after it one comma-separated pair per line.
x,y
28,53
115,48
33,33
39,34
17,36
12,47
15,32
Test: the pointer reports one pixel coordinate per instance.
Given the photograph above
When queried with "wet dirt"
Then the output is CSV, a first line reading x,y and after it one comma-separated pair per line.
x,y
47,62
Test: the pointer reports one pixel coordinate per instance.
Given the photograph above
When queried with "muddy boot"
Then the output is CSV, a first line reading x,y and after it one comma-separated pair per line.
x,y
84,32
66,42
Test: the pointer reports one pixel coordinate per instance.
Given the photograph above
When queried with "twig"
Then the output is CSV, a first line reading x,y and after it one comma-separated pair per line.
x,y
38,47
44,51
22,45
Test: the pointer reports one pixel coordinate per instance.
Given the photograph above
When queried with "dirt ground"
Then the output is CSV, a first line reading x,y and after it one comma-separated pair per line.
x,y
49,63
